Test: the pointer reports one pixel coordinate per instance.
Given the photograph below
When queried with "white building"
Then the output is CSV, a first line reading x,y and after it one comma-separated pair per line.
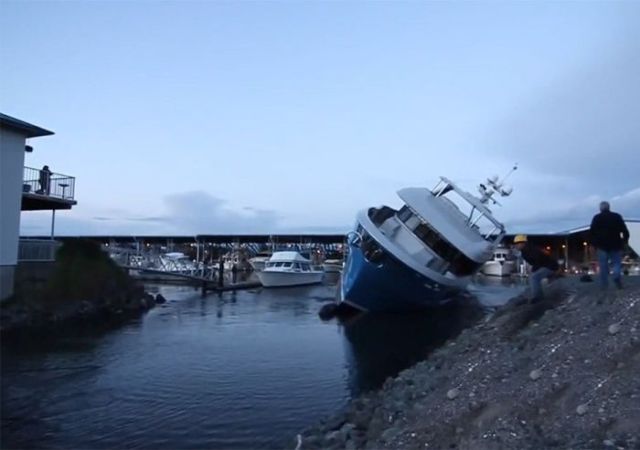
x,y
25,189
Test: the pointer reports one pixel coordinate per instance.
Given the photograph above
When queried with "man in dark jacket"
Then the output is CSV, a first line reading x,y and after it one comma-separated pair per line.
x,y
542,265
609,235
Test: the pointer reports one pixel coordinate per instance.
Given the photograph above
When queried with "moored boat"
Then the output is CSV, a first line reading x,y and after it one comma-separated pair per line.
x,y
500,265
332,265
289,269
259,261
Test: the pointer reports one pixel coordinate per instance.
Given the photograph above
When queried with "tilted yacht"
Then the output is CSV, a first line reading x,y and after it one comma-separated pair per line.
x,y
424,253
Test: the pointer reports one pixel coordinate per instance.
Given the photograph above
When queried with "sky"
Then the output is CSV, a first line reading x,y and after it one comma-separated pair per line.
x,y
211,117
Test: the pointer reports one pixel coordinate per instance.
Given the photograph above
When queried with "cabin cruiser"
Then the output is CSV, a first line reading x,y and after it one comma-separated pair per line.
x,y
289,269
333,262
332,265
259,261
424,253
500,265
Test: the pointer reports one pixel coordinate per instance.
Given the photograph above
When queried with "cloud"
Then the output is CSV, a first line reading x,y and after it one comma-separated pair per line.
x,y
186,213
574,213
583,126
202,213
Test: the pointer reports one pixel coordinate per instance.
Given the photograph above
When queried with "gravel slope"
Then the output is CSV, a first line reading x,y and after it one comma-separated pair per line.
x,y
562,373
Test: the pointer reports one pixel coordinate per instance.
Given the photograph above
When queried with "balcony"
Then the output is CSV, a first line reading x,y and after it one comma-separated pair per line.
x,y
47,190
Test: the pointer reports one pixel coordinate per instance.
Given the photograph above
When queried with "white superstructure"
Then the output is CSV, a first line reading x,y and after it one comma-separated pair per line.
x,y
288,269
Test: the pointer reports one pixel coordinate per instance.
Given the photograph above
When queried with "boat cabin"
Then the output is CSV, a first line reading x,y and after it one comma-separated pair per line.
x,y
445,229
290,261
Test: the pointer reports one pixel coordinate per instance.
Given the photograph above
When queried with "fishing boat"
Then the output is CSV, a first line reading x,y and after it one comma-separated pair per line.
x,y
424,253
501,264
289,269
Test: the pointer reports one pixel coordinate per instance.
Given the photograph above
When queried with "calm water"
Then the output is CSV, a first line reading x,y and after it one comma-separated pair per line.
x,y
245,370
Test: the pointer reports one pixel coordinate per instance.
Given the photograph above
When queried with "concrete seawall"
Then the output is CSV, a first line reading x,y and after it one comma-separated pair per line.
x,y
561,373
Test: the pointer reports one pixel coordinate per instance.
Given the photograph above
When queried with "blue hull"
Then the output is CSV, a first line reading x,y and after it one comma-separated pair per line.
x,y
389,286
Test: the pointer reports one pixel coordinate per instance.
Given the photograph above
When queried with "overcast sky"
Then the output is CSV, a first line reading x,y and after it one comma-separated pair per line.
x,y
223,117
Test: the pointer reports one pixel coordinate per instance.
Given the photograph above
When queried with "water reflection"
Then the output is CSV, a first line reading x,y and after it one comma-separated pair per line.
x,y
380,346
245,369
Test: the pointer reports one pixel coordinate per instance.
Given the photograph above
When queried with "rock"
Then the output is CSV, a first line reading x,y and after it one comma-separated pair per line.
x,y
346,430
335,423
160,299
535,374
608,443
453,393
614,328
334,437
390,434
581,410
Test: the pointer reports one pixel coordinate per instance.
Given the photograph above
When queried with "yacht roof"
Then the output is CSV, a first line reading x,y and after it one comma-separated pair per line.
x,y
445,217
287,257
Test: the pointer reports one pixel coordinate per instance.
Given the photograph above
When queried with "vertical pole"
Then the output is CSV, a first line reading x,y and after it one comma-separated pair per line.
x,y
53,223
566,254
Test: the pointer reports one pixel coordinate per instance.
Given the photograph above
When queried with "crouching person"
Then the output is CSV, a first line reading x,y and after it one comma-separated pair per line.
x,y
542,265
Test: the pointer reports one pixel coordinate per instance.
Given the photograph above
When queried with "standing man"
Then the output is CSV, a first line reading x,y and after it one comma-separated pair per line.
x,y
542,265
609,235
45,180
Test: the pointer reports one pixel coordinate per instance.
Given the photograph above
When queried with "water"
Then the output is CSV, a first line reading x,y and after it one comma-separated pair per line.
x,y
238,370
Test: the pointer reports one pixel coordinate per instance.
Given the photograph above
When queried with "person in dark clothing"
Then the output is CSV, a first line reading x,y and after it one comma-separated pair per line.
x,y
542,265
44,180
609,235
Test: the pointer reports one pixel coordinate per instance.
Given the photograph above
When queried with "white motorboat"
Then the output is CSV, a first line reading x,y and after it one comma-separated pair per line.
x,y
289,269
259,261
500,265
332,265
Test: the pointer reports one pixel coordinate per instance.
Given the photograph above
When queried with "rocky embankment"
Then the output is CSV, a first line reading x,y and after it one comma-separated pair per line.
x,y
562,373
85,285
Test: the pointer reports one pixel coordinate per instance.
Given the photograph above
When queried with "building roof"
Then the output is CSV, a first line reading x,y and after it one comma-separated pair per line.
x,y
28,129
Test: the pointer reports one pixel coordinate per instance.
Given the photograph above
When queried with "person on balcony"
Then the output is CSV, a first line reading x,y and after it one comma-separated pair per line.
x,y
45,181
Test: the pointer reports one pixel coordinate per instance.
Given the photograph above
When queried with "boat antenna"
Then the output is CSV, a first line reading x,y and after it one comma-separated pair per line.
x,y
495,185
513,169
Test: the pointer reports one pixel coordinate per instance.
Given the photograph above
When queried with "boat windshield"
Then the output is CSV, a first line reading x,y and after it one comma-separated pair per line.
x,y
458,263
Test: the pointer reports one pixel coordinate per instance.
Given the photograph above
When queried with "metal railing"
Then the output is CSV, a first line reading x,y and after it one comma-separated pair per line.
x,y
37,249
48,184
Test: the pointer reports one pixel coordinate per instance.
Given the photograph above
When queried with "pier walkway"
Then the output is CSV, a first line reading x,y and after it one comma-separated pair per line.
x,y
206,284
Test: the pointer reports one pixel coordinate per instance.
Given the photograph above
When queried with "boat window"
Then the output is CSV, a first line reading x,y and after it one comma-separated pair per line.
x,y
405,213
459,264
286,264
296,266
305,267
